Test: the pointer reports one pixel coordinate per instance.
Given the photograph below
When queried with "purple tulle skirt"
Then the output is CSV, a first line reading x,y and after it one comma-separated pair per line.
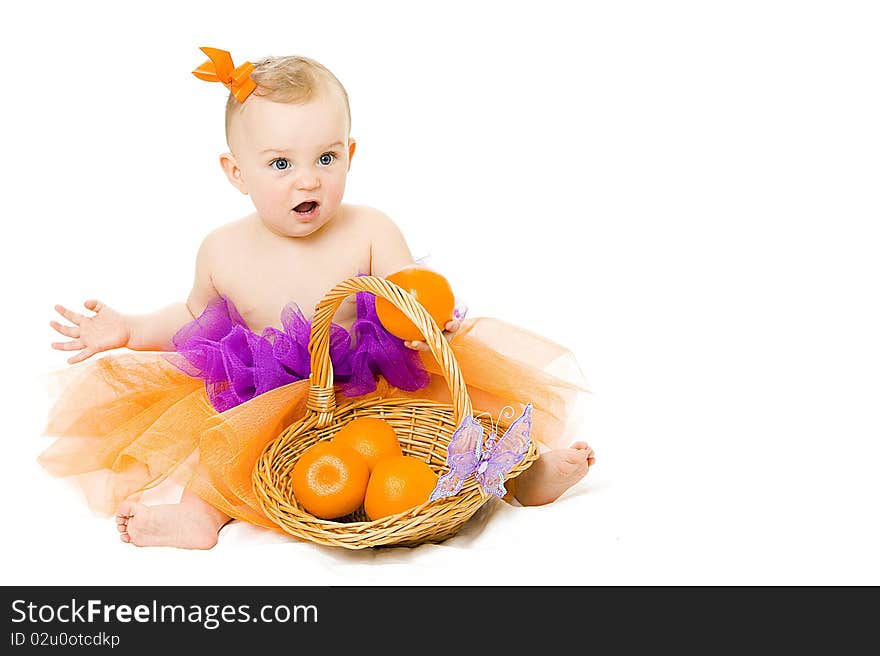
x,y
238,364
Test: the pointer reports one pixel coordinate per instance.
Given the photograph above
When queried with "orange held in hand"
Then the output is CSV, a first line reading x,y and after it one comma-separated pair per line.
x,y
430,289
372,437
398,483
330,480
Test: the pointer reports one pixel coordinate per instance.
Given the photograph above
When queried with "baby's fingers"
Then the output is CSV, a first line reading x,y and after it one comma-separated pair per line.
x,y
70,315
74,345
451,328
67,331
82,355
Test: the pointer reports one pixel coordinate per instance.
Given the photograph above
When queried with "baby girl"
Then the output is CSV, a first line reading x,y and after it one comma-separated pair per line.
x,y
287,128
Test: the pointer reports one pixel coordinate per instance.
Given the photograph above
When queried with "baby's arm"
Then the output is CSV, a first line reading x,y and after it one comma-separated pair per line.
x,y
154,331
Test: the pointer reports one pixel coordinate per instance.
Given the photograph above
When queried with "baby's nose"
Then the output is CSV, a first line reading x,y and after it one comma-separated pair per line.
x,y
307,180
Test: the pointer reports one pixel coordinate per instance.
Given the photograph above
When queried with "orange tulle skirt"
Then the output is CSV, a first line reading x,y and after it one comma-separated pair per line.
x,y
130,421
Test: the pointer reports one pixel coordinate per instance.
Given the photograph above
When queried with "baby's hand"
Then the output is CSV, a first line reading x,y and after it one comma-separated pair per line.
x,y
450,329
105,330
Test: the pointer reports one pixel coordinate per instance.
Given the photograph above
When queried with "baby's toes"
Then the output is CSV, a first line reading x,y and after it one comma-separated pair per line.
x,y
124,511
122,527
572,462
577,456
587,449
591,456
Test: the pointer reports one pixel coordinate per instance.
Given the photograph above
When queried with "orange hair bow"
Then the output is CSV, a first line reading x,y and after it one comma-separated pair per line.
x,y
219,68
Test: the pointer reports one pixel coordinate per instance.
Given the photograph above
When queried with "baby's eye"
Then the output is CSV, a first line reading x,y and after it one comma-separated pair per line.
x,y
280,164
327,158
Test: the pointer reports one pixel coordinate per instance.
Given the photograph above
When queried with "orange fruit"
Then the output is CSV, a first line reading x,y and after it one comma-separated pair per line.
x,y
398,483
430,289
330,480
372,437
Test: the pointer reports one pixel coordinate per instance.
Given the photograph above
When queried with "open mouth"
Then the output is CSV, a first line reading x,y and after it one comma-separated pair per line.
x,y
307,208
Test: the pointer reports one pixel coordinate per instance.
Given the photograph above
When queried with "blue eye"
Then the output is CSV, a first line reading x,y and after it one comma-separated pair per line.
x,y
327,158
282,164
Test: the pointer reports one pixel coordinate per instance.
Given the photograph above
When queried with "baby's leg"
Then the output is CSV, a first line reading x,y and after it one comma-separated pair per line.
x,y
190,524
552,474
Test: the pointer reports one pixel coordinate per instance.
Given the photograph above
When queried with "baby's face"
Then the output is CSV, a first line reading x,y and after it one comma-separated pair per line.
x,y
292,159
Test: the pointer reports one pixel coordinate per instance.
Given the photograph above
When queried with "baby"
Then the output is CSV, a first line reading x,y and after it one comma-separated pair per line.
x,y
290,151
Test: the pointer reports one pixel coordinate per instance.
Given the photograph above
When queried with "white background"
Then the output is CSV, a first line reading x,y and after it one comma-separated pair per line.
x,y
683,193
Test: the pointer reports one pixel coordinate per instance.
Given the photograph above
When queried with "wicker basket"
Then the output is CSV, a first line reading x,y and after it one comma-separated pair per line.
x,y
424,429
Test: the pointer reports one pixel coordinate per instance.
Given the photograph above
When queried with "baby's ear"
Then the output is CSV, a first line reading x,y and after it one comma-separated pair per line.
x,y
233,173
351,146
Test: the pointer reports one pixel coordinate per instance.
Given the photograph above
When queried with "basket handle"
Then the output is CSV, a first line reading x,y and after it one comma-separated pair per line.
x,y
322,397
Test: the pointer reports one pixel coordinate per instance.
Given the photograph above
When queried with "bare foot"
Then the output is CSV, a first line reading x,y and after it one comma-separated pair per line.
x,y
553,473
187,525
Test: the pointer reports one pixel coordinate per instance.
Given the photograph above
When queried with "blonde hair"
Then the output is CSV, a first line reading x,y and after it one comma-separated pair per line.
x,y
290,79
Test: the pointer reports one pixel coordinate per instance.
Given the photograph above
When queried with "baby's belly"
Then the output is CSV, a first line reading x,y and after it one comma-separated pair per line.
x,y
258,319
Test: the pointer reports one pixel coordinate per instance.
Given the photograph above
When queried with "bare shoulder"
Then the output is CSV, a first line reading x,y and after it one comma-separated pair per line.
x,y
388,248
364,217
223,236
232,230
217,248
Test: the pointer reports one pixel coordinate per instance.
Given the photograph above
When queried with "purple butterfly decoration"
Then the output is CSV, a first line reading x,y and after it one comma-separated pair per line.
x,y
467,455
